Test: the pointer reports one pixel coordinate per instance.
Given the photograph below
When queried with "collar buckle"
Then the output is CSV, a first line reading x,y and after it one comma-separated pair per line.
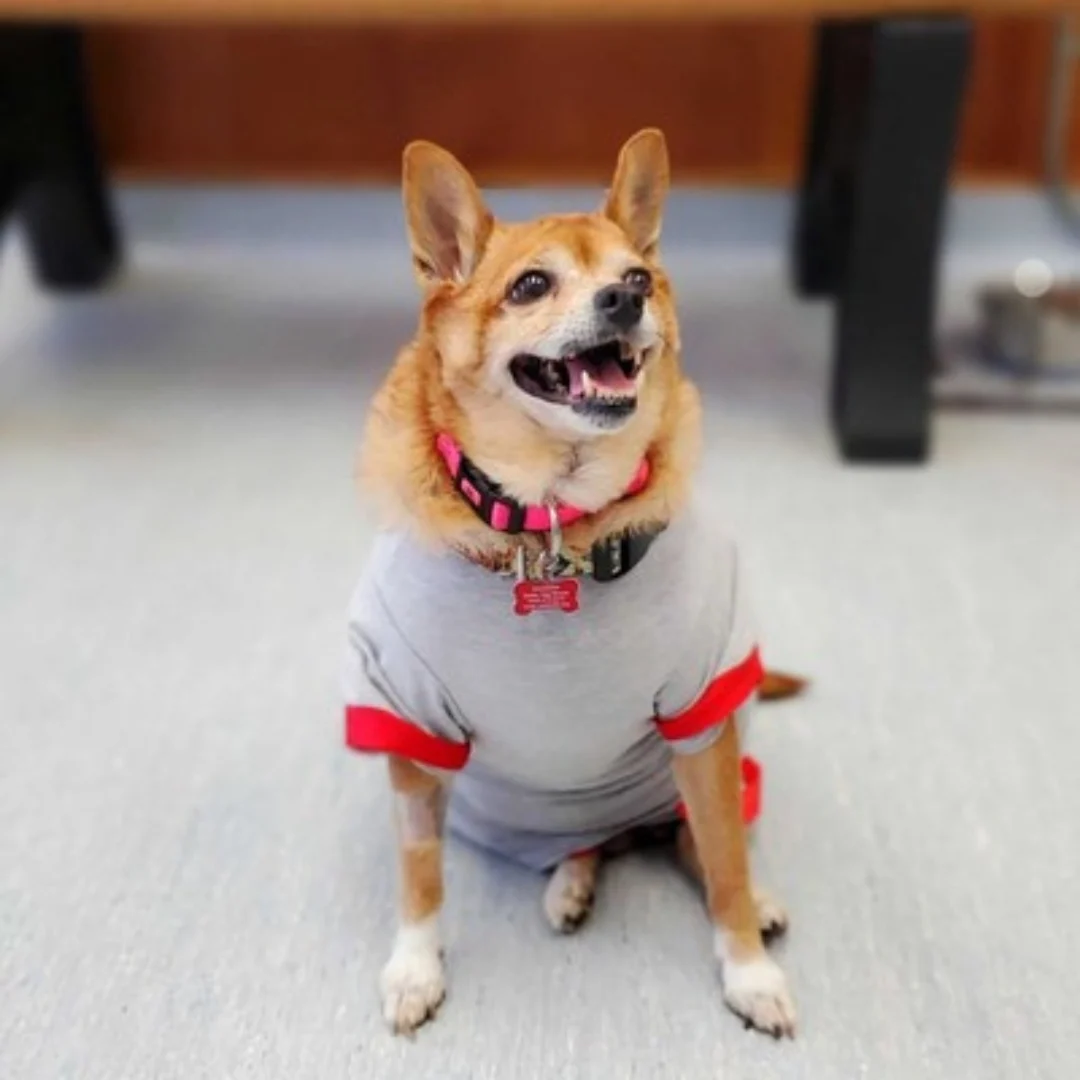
x,y
615,556
486,498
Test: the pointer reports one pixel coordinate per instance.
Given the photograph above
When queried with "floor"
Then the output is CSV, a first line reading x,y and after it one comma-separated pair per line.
x,y
197,880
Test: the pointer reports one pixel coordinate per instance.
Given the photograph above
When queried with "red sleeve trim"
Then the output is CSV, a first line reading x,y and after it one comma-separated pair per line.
x,y
724,695
376,731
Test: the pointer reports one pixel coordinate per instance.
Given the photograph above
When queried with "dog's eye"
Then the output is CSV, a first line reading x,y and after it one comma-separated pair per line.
x,y
530,286
639,279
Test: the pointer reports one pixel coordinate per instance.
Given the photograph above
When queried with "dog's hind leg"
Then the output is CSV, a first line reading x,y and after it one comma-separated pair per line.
x,y
413,984
570,891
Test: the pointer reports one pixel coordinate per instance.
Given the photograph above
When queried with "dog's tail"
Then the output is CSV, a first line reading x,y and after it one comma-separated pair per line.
x,y
778,685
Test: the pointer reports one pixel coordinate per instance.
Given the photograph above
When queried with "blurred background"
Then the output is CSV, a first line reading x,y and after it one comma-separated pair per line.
x,y
521,103
204,277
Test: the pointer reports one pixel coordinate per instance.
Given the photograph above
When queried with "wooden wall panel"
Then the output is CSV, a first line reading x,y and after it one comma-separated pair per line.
x,y
1002,132
517,103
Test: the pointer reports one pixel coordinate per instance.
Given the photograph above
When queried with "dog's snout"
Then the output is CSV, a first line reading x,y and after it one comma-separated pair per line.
x,y
620,305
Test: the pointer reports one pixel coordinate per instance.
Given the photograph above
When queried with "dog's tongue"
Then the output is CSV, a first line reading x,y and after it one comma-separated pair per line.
x,y
604,377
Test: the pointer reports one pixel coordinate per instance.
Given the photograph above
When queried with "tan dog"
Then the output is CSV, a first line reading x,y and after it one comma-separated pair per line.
x,y
547,355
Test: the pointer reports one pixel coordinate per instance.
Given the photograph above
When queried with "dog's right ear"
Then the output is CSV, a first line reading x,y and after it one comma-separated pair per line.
x,y
448,223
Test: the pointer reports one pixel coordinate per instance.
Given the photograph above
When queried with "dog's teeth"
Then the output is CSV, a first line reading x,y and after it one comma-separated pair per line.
x,y
588,387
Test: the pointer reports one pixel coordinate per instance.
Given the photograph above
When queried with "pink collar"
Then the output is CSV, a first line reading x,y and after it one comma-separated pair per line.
x,y
503,513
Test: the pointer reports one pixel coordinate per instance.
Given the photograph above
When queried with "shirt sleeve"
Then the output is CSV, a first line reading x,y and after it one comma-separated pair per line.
x,y
394,703
720,668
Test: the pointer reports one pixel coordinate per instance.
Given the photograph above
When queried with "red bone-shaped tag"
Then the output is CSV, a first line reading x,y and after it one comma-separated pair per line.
x,y
546,595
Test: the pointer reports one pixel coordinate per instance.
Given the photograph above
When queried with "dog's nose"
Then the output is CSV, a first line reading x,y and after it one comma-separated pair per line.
x,y
620,305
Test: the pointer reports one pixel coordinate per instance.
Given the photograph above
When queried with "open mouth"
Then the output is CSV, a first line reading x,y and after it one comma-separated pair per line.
x,y
601,382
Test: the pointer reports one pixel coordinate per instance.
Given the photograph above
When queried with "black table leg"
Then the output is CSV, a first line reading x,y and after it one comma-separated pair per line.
x,y
49,159
867,228
823,210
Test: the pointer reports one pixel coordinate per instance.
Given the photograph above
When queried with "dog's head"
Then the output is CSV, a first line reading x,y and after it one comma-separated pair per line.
x,y
562,319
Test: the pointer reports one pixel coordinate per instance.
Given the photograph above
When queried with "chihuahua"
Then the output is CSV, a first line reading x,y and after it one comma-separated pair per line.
x,y
551,642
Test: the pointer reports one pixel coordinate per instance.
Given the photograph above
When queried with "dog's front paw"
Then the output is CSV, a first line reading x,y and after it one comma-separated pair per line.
x,y
413,983
570,892
757,991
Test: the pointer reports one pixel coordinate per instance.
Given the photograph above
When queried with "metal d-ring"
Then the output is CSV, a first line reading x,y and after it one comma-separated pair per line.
x,y
554,536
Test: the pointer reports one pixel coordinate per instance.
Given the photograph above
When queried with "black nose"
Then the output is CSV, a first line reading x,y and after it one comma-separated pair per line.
x,y
620,305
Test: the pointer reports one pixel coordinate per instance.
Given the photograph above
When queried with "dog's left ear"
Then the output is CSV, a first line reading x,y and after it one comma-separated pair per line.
x,y
449,225
635,201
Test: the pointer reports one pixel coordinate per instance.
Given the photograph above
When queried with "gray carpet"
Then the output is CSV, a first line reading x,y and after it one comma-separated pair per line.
x,y
197,881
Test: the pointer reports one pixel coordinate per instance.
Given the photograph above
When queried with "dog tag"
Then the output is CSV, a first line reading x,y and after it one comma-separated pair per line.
x,y
547,594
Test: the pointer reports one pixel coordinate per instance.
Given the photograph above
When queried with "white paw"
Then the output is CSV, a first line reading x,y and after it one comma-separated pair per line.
x,y
772,918
412,983
757,991
569,895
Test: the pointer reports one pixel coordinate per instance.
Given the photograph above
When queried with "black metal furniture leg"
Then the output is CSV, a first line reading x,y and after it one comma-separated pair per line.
x,y
49,153
885,301
868,221
823,207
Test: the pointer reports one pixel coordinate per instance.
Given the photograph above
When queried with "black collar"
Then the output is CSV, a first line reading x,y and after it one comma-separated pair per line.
x,y
611,558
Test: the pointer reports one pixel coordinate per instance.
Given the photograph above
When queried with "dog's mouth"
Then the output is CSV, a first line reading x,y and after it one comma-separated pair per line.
x,y
601,382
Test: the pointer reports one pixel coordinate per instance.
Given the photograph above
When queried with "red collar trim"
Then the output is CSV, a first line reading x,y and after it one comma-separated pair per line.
x,y
503,513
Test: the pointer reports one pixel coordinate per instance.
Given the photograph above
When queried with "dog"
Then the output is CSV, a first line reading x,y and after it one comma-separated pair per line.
x,y
550,643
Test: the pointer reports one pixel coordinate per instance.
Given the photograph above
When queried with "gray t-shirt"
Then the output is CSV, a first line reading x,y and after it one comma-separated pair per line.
x,y
561,725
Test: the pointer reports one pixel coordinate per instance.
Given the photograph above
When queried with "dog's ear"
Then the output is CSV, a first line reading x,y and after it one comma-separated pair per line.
x,y
448,223
635,201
